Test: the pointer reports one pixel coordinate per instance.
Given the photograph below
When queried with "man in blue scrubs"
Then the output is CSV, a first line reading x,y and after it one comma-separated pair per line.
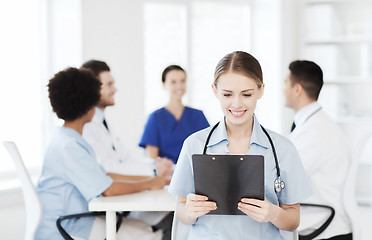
x,y
71,176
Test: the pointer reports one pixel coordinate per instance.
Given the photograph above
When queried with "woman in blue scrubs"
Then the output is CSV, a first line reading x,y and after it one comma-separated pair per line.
x,y
168,127
238,85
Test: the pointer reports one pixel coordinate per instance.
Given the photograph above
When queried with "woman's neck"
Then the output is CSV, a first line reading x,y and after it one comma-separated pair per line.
x,y
77,125
174,104
175,108
239,131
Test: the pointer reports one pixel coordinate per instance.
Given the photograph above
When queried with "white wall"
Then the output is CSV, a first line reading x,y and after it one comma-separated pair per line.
x,y
113,32
266,39
289,51
12,215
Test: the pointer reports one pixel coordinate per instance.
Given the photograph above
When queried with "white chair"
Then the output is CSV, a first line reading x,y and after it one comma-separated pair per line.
x,y
31,200
350,202
349,198
32,203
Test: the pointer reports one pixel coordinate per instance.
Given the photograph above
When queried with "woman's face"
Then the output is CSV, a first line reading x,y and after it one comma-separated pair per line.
x,y
175,84
238,97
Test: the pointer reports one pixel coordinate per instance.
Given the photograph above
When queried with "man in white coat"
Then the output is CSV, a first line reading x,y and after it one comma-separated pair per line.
x,y
323,150
112,154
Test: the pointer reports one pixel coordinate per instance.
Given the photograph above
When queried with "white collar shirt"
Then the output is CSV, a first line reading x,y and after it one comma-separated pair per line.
x,y
305,113
111,153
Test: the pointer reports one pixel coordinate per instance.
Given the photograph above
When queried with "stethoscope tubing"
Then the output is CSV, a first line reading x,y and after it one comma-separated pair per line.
x,y
278,184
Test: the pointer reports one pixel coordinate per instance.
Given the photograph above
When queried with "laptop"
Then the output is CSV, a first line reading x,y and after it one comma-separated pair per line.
x,y
226,179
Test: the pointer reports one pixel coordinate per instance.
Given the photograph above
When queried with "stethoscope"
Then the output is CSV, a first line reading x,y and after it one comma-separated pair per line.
x,y
278,183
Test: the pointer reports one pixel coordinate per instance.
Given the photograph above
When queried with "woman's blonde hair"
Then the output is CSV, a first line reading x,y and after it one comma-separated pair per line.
x,y
239,62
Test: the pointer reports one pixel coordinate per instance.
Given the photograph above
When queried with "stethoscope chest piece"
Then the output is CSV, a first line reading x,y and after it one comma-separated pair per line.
x,y
278,185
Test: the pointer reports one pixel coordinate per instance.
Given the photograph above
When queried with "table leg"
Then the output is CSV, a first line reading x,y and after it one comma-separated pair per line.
x,y
110,225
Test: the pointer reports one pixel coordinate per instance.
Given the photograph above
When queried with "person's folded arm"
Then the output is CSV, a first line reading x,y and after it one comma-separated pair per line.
x,y
129,184
119,177
152,151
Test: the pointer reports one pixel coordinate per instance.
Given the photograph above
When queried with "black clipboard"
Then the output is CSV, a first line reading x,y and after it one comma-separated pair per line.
x,y
226,179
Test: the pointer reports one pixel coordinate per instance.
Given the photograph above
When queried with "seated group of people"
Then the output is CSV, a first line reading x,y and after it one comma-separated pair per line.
x,y
85,159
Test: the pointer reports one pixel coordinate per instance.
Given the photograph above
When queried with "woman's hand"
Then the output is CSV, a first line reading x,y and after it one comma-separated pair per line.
x,y
164,167
284,217
157,183
198,205
259,210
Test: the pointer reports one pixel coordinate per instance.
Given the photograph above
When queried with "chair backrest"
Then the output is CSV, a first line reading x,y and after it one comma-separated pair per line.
x,y
31,199
350,203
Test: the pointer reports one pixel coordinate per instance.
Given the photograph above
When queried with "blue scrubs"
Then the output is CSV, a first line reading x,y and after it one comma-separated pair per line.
x,y
237,227
70,178
162,130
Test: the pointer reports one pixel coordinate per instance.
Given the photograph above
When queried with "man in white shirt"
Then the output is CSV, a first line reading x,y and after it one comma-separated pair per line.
x,y
322,147
112,154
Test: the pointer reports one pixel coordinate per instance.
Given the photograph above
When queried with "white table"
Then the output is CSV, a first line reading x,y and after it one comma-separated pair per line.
x,y
154,200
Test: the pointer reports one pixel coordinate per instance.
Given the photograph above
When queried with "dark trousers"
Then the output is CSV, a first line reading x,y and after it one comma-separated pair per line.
x,y
166,226
341,237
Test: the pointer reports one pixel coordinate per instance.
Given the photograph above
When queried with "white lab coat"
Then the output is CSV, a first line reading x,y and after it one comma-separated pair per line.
x,y
120,161
325,156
